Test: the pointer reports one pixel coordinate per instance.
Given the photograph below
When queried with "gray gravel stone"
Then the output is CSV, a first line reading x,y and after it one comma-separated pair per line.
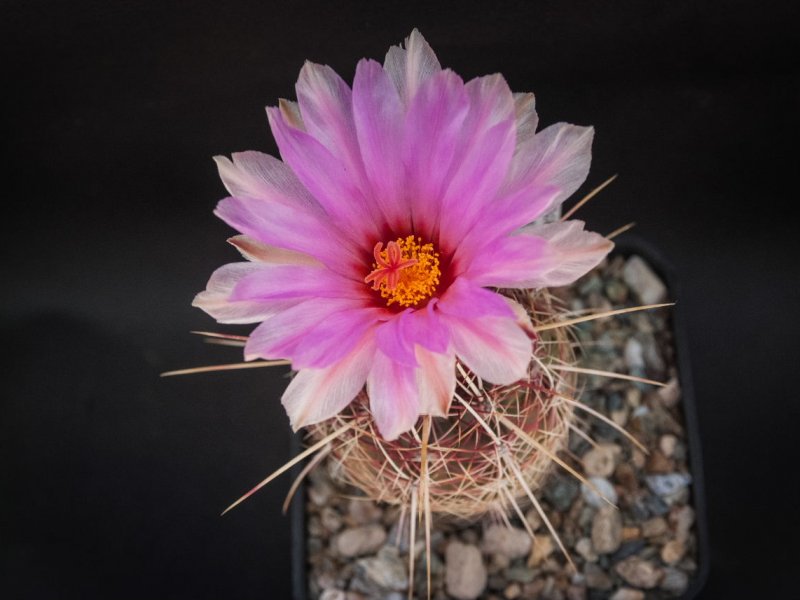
x,y
639,572
357,541
642,280
561,491
604,487
606,530
508,541
382,573
597,578
627,594
465,573
675,581
601,460
667,484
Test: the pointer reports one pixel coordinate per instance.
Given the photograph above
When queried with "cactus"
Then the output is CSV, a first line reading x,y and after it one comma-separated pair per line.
x,y
407,285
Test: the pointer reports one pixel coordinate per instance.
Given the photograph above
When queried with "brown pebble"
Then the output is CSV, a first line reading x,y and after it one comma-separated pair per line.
x,y
330,519
584,547
670,394
639,572
513,591
606,530
360,540
601,460
625,476
638,458
673,551
362,511
633,396
534,519
576,592
630,533
596,578
654,527
627,594
534,588
682,519
658,463
667,444
542,548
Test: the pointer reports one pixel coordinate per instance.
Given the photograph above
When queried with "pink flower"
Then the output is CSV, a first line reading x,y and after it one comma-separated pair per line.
x,y
371,246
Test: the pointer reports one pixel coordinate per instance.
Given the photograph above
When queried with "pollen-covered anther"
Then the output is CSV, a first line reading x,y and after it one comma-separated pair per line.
x,y
406,272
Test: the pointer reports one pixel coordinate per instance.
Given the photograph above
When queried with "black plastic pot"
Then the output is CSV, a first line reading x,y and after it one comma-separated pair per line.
x,y
627,246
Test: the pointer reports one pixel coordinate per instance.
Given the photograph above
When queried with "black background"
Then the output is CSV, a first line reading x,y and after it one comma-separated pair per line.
x,y
112,480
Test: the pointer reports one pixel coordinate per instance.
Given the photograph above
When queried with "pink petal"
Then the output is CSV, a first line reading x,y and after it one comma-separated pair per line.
x,y
256,175
272,207
393,397
315,395
283,226
431,134
399,336
409,68
436,382
216,299
494,348
326,104
558,156
278,282
312,333
257,252
424,328
481,162
540,256
378,119
500,218
328,179
392,340
546,169
466,300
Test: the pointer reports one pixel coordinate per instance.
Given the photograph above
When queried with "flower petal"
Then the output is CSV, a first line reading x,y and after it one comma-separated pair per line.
x,y
283,226
431,134
312,333
482,159
436,382
257,175
279,282
527,119
378,117
540,256
393,397
466,300
255,251
494,348
558,156
399,336
325,102
318,394
216,299
411,66
328,178
392,340
271,206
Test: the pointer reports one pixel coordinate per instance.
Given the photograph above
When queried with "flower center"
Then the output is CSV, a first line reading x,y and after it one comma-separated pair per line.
x,y
406,272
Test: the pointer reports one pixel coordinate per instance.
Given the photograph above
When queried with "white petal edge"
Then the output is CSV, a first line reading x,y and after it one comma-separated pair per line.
x,y
315,395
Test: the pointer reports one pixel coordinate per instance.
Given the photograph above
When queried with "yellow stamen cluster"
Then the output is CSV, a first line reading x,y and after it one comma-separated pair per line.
x,y
415,282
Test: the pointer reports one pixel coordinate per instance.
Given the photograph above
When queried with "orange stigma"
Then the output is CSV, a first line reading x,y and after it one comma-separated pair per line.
x,y
406,272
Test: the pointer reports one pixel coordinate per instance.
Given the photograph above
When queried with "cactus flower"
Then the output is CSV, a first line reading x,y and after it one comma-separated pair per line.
x,y
375,247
